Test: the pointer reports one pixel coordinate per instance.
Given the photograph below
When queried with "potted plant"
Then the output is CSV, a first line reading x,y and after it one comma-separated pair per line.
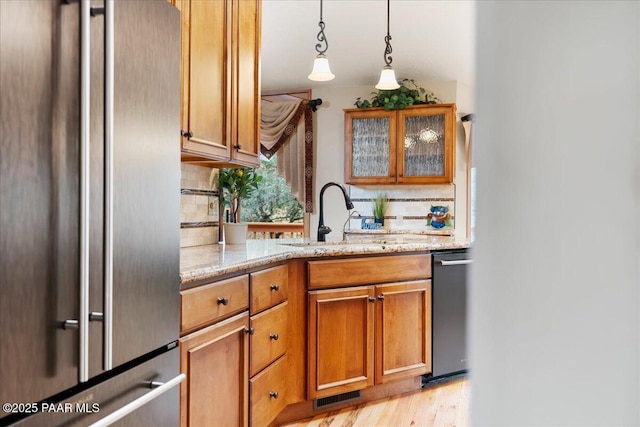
x,y
233,185
380,205
409,93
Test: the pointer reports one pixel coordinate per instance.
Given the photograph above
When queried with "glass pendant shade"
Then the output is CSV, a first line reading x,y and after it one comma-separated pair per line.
x,y
387,79
321,71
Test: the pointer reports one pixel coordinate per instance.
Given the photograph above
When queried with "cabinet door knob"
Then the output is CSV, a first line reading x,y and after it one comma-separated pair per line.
x,y
274,287
274,337
238,147
273,394
250,331
380,297
186,134
223,300
372,299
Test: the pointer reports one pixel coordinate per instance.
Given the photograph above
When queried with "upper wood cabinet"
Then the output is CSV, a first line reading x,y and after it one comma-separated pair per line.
x,y
221,80
415,145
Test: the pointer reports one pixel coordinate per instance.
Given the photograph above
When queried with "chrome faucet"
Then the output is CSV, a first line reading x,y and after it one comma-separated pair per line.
x,y
348,221
323,230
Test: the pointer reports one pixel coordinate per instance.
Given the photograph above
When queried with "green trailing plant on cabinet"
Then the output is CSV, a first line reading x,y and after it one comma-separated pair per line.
x,y
409,93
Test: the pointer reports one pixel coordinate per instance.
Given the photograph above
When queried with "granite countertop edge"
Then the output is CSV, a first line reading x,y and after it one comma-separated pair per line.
x,y
207,262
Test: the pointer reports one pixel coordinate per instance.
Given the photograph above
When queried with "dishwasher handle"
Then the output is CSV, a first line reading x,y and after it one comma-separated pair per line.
x,y
456,262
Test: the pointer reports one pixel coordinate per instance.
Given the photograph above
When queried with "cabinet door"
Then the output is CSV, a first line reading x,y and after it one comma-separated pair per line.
x,y
403,330
206,75
340,340
216,362
426,144
246,82
370,154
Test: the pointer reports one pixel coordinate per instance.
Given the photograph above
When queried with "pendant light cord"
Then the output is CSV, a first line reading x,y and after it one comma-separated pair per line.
x,y
387,51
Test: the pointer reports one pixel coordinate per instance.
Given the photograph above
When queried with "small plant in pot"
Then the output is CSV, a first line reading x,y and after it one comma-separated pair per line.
x,y
234,184
380,205
409,93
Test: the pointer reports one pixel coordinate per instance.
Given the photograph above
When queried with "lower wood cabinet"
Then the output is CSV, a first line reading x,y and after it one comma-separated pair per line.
x,y
403,330
368,335
340,340
358,323
268,336
216,362
269,393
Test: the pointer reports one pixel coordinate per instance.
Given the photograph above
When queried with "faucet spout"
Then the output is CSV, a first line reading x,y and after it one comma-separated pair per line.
x,y
323,230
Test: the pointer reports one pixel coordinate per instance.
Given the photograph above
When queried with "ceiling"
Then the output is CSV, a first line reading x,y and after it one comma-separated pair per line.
x,y
431,40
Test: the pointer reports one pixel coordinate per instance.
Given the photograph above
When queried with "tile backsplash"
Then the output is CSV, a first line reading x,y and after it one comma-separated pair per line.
x,y
409,205
198,207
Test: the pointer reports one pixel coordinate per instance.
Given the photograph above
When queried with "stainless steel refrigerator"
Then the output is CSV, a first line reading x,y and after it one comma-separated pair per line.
x,y
89,212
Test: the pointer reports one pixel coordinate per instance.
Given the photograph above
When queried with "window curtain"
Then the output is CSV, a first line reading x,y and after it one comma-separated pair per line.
x,y
286,127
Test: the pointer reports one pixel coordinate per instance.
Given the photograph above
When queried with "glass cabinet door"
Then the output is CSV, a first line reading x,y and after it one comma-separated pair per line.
x,y
426,145
411,146
369,154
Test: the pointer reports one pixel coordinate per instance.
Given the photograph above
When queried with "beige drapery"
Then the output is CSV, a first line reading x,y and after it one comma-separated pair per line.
x,y
286,128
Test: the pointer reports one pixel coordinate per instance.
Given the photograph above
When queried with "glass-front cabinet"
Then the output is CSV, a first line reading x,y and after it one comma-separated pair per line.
x,y
415,145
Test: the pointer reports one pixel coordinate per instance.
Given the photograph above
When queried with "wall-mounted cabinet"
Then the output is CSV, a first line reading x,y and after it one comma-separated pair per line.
x,y
415,145
221,81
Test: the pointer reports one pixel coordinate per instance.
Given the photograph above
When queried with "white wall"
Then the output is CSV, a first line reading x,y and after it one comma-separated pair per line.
x,y
329,143
555,295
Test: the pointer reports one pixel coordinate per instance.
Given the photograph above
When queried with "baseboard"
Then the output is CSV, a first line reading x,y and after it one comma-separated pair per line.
x,y
305,409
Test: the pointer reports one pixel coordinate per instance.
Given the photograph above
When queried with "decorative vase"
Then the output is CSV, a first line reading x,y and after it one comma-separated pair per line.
x,y
439,217
235,233
379,221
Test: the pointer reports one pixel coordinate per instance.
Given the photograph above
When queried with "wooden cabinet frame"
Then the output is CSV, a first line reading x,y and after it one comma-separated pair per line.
x,y
396,138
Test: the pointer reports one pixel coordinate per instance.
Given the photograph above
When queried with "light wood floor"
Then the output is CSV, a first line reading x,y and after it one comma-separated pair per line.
x,y
443,405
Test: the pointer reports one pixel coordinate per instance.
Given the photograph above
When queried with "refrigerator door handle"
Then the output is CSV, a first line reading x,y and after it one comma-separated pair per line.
x,y
132,406
457,262
108,179
85,159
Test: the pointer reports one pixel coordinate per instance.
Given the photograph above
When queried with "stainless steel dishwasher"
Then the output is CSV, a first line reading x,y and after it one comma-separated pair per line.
x,y
449,313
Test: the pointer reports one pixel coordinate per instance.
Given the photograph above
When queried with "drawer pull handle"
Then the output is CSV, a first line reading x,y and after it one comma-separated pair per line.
x,y
381,297
274,287
273,394
250,331
274,337
223,300
372,299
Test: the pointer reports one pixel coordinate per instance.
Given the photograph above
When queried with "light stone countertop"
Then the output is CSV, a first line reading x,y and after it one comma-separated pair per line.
x,y
206,262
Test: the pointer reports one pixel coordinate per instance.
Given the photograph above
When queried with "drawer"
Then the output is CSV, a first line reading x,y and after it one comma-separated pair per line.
x,y
206,304
367,271
269,287
269,393
269,338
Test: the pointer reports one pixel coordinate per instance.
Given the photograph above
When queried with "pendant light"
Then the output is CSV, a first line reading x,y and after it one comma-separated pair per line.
x,y
387,76
321,71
